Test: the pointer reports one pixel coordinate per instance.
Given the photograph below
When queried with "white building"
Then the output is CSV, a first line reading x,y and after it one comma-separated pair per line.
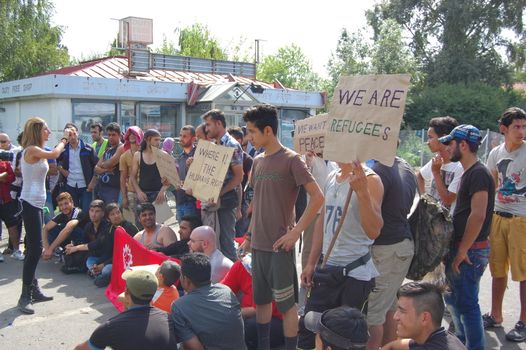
x,y
111,90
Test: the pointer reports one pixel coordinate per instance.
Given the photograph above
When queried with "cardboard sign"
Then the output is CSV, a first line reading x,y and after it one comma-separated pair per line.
x,y
365,116
166,165
208,170
309,134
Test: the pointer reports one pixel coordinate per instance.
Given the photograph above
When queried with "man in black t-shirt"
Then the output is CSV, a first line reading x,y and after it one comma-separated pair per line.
x,y
186,226
469,252
418,318
66,226
393,250
140,326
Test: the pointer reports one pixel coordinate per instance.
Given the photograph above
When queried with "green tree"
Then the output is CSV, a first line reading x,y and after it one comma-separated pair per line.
x,y
291,67
457,41
29,44
196,41
167,47
477,103
352,56
390,55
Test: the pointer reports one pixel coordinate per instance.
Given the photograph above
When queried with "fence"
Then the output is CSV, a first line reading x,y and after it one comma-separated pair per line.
x,y
413,146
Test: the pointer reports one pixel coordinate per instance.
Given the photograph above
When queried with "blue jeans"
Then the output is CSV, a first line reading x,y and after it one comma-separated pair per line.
x,y
109,194
227,228
77,235
186,209
81,198
463,297
106,270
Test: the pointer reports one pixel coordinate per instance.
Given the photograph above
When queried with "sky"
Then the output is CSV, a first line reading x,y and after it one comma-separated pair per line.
x,y
90,26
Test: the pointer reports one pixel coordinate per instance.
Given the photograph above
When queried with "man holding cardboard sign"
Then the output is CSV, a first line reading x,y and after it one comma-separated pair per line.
x,y
229,198
277,175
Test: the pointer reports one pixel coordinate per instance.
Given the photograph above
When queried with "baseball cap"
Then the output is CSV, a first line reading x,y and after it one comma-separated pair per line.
x,y
141,284
344,327
462,132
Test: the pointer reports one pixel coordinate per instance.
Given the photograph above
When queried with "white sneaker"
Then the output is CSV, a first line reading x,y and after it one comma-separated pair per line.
x,y
18,255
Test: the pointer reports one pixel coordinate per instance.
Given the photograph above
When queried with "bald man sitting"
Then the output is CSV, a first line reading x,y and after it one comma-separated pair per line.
x,y
203,240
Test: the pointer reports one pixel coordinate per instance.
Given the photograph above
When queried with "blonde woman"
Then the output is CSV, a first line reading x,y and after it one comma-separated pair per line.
x,y
34,167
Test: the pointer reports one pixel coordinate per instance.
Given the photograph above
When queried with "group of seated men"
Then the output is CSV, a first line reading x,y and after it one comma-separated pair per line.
x,y
210,316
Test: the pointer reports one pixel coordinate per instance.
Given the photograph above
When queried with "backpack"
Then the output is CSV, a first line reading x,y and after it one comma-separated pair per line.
x,y
432,229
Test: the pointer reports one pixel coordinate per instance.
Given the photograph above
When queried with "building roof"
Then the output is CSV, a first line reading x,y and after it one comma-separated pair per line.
x,y
116,67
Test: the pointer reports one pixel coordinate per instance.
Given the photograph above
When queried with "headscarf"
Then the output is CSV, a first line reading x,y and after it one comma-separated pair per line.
x,y
168,145
138,136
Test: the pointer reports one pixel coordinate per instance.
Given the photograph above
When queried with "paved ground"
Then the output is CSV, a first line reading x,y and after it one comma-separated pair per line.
x,y
79,307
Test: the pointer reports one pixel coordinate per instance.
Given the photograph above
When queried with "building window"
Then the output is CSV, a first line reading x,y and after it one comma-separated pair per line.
x,y
86,113
287,120
127,115
160,116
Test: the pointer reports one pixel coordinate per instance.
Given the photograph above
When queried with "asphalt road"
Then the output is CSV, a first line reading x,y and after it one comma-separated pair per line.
x,y
79,307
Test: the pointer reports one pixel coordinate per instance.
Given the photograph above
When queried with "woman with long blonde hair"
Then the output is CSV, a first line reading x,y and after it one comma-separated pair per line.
x,y
34,167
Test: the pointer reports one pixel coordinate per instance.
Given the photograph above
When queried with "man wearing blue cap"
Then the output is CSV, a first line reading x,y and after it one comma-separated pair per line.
x,y
469,251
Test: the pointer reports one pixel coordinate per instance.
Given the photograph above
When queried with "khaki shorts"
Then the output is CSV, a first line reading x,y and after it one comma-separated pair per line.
x,y
392,262
508,247
274,277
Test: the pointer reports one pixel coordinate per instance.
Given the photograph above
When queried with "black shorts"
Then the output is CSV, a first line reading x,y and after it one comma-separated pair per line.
x,y
274,277
10,213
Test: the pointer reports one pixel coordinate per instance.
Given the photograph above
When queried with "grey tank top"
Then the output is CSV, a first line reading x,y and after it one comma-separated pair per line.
x,y
352,242
154,243
34,181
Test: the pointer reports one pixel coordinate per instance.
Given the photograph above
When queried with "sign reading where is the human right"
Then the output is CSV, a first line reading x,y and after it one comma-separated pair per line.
x,y
365,116
208,170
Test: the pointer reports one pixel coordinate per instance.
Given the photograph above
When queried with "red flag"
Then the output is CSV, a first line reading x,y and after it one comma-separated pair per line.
x,y
128,252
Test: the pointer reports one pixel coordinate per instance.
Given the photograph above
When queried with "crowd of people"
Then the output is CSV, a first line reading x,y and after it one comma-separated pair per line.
x,y
237,285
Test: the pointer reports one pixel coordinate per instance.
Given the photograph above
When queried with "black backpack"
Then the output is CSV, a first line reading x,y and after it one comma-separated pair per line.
x,y
432,229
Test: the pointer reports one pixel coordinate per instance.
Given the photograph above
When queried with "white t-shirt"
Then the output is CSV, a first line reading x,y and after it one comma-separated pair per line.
x,y
510,196
352,242
451,174
220,266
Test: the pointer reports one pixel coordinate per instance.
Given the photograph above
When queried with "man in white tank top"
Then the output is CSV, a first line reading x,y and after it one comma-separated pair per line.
x,y
154,235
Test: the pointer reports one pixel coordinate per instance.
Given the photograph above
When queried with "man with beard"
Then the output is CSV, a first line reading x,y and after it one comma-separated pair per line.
x,y
179,248
203,240
469,252
185,204
154,235
109,184
228,197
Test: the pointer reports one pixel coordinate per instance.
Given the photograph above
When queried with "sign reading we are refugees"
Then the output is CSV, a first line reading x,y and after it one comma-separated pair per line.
x,y
208,170
365,116
309,134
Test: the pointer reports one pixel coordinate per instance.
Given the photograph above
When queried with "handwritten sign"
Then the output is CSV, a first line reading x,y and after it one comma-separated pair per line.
x,y
365,116
309,134
166,166
208,170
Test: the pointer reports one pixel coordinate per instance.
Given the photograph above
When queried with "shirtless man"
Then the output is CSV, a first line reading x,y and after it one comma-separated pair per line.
x,y
154,235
